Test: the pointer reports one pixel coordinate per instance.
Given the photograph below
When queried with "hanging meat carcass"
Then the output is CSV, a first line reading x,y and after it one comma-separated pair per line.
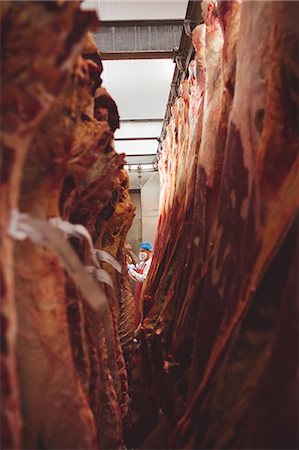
x,y
34,71
113,224
48,378
223,266
95,194
70,364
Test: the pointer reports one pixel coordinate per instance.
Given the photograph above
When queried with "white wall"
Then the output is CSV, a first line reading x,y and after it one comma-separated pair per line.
x,y
150,194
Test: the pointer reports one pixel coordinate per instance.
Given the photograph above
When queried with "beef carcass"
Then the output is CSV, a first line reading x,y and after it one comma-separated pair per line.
x,y
48,378
72,156
108,229
207,187
210,332
29,86
95,194
113,224
166,282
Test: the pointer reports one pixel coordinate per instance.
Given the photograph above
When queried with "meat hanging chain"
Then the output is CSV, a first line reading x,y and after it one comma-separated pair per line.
x,y
213,364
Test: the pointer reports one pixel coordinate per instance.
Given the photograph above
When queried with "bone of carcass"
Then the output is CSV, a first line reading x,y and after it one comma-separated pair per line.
x,y
216,291
29,86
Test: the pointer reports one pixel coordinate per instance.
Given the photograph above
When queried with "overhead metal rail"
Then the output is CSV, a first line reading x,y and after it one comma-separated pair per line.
x,y
141,155
147,138
122,56
141,120
182,57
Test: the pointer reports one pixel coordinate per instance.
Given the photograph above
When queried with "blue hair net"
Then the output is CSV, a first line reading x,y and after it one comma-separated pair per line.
x,y
146,246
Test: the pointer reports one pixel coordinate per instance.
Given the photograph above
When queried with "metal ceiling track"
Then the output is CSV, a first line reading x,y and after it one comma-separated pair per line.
x,y
151,120
147,138
182,57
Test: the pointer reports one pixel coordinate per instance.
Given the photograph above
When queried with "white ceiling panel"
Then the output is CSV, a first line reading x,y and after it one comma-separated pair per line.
x,y
142,9
137,129
144,159
139,87
136,147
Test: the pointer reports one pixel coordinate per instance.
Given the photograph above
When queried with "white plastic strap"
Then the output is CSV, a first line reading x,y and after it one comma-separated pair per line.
x,y
104,256
101,275
24,226
79,231
75,230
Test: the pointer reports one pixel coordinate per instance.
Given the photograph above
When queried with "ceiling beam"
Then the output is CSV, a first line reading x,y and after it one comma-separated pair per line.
x,y
139,155
121,56
138,39
141,120
147,138
140,23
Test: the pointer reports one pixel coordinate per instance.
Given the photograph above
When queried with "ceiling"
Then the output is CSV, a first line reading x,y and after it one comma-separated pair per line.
x,y
141,9
141,93
140,87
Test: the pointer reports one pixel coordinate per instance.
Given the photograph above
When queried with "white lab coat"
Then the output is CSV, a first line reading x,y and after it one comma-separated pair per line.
x,y
140,277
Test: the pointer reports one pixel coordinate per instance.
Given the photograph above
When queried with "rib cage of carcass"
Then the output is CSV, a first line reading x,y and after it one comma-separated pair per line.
x,y
220,303
64,377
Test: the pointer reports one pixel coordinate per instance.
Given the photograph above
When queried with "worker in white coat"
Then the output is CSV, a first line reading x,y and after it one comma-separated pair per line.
x,y
138,272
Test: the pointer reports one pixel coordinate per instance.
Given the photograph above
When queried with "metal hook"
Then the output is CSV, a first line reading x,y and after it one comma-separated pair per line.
x,y
179,61
139,171
187,27
173,88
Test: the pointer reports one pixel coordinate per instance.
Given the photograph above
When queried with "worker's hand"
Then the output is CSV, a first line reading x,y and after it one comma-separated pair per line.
x,y
131,271
129,260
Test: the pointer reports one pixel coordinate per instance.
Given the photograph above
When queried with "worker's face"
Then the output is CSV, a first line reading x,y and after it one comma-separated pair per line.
x,y
144,254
